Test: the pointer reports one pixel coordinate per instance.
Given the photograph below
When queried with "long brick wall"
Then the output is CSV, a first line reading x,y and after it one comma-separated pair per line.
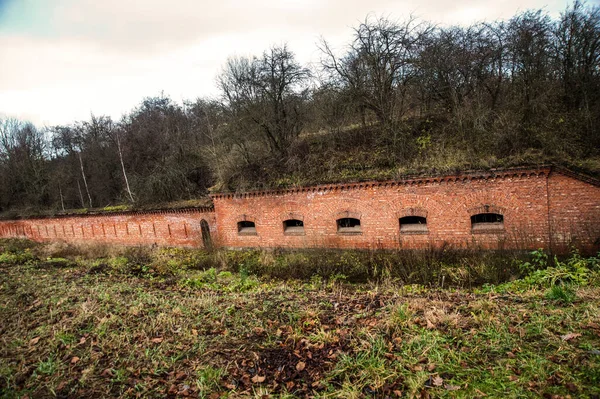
x,y
164,228
540,208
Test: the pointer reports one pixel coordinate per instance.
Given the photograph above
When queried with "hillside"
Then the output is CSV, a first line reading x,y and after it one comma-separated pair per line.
x,y
360,153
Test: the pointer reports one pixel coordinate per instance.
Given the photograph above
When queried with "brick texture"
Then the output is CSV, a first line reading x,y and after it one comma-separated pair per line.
x,y
574,214
542,208
448,204
165,228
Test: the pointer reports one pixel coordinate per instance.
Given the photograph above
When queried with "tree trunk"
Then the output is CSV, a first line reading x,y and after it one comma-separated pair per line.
x,y
80,194
62,202
123,168
87,190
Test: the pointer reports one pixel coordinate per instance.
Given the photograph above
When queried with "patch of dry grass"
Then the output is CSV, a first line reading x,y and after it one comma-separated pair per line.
x,y
83,331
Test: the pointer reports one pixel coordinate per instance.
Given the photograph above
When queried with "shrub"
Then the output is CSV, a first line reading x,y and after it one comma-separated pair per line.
x,y
539,261
17,258
561,293
17,245
573,271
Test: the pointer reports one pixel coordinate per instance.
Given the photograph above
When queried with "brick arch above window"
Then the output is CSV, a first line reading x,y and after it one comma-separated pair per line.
x,y
487,208
348,214
246,218
291,216
413,211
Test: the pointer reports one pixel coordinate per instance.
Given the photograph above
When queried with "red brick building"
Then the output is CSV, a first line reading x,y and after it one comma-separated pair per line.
x,y
545,207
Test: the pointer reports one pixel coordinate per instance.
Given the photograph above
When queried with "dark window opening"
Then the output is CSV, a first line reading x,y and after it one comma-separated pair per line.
x,y
349,225
413,225
487,221
246,228
293,226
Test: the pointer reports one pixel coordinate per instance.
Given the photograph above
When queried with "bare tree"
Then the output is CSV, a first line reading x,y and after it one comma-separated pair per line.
x,y
379,65
267,93
577,52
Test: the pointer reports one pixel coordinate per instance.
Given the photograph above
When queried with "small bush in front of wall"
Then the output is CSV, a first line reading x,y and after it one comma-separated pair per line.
x,y
244,259
16,245
17,251
558,276
17,258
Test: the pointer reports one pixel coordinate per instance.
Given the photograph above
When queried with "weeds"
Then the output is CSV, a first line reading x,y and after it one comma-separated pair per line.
x,y
561,293
102,329
208,380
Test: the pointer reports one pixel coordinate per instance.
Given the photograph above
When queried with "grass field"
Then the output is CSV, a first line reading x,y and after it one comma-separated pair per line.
x,y
80,328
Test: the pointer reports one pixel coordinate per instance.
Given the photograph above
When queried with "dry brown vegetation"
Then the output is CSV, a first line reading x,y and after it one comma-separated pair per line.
x,y
152,325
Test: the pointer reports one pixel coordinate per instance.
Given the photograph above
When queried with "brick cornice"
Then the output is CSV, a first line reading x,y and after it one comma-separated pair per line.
x,y
96,214
521,172
576,175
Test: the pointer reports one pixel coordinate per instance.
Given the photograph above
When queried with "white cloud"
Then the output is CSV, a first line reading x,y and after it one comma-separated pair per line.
x,y
66,59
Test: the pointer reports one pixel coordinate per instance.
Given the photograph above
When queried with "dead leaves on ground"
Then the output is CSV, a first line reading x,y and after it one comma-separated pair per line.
x,y
570,336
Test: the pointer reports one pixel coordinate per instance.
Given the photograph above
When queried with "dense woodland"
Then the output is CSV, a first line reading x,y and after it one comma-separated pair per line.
x,y
402,97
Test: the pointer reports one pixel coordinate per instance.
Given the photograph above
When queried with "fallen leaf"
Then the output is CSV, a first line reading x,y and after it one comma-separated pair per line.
x,y
437,381
300,366
157,340
107,373
451,387
173,389
34,341
510,355
258,379
74,360
570,336
431,367
82,341
513,378
194,332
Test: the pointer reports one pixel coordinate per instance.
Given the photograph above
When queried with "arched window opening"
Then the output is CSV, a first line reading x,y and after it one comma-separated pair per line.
x,y
293,227
246,228
349,226
413,225
487,221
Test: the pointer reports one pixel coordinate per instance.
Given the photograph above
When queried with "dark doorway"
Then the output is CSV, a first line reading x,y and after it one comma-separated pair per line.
x,y
206,240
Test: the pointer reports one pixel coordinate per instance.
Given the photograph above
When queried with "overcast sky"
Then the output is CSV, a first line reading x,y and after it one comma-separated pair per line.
x,y
61,60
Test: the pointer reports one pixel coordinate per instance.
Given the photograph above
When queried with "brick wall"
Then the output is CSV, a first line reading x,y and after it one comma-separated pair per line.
x,y
542,208
164,228
574,213
448,203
